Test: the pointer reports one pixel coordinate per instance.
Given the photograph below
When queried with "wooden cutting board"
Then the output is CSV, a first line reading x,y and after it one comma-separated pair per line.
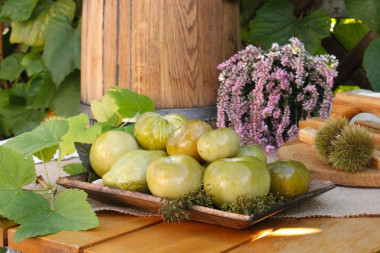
x,y
305,153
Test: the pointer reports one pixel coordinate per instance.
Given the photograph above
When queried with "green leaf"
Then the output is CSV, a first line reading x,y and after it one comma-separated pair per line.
x,y
74,168
372,65
33,63
78,132
66,102
248,9
349,32
71,213
368,11
42,91
64,43
83,150
275,22
45,136
130,103
32,31
47,154
130,129
109,124
15,172
11,67
105,109
4,98
16,119
18,10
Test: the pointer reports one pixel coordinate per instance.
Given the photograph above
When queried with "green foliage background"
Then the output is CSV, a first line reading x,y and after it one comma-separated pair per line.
x,y
40,73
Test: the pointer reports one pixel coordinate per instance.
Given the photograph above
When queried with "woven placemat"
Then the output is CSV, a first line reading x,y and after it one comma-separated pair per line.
x,y
339,202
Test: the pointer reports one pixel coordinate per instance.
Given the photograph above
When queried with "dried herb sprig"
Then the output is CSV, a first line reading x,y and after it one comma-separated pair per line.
x,y
249,205
175,211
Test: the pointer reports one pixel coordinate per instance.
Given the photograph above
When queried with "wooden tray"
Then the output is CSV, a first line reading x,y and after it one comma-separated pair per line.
x,y
305,153
198,213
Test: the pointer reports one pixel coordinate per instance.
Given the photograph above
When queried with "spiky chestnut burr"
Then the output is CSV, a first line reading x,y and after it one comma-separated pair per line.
x,y
352,149
326,134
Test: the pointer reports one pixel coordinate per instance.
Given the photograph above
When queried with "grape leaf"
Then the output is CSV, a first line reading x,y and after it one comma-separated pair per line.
x,y
129,102
130,129
275,22
47,154
11,67
33,63
78,132
367,11
41,93
44,136
62,42
4,98
74,168
31,31
109,124
18,10
71,213
67,98
105,109
16,119
350,32
15,172
372,65
83,150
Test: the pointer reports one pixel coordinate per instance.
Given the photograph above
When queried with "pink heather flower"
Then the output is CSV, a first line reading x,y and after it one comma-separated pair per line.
x,y
263,94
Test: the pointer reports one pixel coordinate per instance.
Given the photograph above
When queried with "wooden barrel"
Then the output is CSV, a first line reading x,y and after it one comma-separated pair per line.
x,y
165,49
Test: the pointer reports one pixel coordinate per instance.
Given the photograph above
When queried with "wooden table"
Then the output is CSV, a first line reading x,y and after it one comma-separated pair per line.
x,y
124,233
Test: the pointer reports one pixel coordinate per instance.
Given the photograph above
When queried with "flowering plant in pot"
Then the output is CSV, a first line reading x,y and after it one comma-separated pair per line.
x,y
264,93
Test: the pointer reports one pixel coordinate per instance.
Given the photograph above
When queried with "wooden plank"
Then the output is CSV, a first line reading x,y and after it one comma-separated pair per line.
x,y
5,224
348,105
147,49
186,237
92,79
321,235
305,153
84,73
180,54
314,122
110,44
123,38
210,33
232,41
111,226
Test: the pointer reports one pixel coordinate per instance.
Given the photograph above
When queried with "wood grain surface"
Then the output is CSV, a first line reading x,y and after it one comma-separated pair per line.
x,y
320,235
305,153
166,49
111,225
186,237
4,226
124,233
348,105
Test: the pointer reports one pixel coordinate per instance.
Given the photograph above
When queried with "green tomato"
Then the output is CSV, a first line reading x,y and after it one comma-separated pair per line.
x,y
173,176
153,130
184,139
129,172
253,150
228,178
289,178
108,148
218,143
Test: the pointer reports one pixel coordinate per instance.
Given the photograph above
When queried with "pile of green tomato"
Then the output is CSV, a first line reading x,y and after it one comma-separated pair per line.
x,y
171,156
